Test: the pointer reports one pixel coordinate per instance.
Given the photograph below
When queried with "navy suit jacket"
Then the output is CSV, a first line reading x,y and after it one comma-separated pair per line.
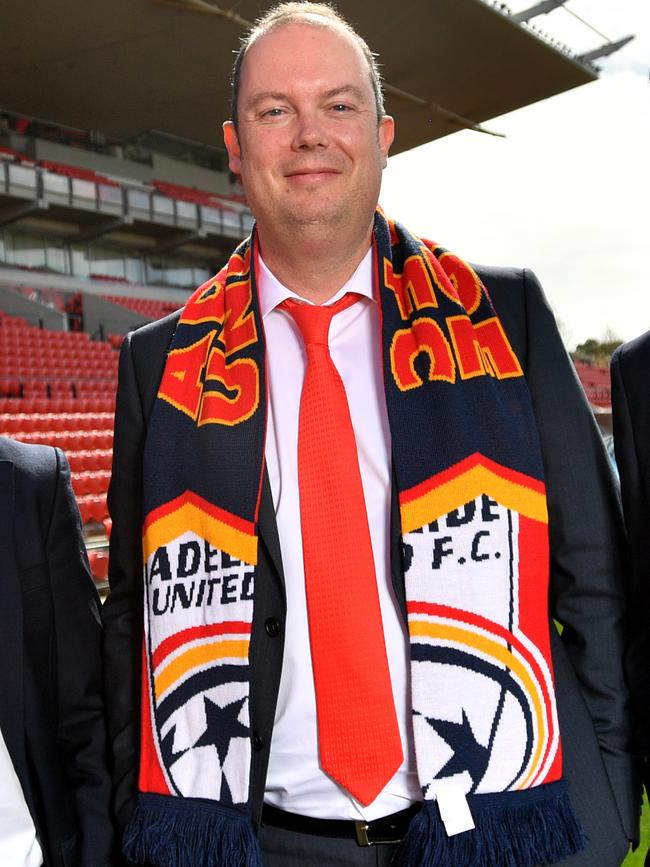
x,y
51,706
586,582
631,415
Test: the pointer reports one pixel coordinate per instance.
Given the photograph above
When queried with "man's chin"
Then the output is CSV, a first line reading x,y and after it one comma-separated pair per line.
x,y
315,217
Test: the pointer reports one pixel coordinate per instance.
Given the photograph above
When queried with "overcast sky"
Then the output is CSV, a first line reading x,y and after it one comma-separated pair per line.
x,y
567,193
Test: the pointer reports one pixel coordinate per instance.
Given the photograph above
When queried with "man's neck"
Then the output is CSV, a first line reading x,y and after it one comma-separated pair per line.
x,y
313,268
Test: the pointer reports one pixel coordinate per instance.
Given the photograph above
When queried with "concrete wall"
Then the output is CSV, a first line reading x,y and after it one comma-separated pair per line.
x,y
17,277
21,143
35,313
110,318
47,150
174,172
163,168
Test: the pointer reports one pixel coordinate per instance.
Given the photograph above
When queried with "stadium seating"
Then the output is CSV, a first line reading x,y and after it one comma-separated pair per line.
x,y
595,380
99,565
58,388
37,363
153,308
179,192
78,173
191,194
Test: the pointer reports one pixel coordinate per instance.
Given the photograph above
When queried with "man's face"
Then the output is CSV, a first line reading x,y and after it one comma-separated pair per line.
x,y
309,149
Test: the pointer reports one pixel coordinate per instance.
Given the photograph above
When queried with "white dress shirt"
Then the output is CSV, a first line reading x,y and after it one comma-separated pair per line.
x,y
295,781
18,844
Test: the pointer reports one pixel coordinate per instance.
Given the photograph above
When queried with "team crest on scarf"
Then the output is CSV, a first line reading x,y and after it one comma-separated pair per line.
x,y
199,608
474,539
475,561
470,621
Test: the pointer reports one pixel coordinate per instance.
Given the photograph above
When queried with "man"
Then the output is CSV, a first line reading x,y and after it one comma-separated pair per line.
x,y
55,787
335,439
631,416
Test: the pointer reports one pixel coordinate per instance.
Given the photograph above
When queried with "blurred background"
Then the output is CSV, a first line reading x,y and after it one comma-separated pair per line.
x,y
567,192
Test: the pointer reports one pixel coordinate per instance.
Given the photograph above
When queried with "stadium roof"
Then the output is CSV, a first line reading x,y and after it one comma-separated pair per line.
x,y
122,67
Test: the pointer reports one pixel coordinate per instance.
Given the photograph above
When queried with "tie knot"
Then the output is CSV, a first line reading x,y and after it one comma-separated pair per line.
x,y
314,320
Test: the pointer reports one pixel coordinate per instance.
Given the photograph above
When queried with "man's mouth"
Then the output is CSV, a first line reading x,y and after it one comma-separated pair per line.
x,y
313,173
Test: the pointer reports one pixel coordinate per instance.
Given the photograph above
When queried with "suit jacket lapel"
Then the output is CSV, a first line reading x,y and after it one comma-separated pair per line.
x,y
11,629
396,559
267,526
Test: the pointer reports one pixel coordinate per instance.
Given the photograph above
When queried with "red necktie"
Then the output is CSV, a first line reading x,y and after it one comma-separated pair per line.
x,y
358,736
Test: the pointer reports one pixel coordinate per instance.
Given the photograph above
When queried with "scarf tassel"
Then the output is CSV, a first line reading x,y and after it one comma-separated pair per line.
x,y
542,831
174,832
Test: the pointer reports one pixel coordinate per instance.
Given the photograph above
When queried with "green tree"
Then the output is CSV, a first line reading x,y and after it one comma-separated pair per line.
x,y
601,350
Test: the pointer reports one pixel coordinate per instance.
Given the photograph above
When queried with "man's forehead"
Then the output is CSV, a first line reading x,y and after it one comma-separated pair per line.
x,y
306,28
270,48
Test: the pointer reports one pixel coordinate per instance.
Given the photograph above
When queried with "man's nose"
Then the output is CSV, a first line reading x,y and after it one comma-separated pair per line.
x,y
310,131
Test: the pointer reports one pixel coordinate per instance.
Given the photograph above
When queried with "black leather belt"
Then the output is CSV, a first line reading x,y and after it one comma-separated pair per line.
x,y
388,829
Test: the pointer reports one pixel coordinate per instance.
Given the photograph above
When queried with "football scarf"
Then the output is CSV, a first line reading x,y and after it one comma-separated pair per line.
x,y
475,561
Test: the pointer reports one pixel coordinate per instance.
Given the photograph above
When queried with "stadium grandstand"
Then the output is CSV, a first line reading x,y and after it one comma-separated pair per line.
x,y
115,195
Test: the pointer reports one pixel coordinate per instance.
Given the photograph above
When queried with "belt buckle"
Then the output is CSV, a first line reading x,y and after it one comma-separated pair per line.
x,y
361,829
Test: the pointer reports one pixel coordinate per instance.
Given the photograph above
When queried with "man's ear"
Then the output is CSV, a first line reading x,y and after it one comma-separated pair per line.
x,y
231,141
386,134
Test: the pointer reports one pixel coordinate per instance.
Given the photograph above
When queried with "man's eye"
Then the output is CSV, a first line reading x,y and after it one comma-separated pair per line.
x,y
272,112
340,107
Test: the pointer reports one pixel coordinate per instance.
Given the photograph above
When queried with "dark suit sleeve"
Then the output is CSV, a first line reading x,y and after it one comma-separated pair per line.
x,y
630,371
586,545
123,610
81,734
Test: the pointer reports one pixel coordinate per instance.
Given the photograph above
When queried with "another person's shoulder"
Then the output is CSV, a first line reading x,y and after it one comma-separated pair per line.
x,y
630,365
38,472
634,353
29,459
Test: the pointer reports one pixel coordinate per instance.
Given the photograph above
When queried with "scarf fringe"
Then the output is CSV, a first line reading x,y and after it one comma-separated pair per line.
x,y
164,834
541,832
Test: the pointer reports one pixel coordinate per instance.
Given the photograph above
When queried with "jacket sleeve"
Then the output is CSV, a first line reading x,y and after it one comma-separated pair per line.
x,y
123,610
631,410
586,546
81,732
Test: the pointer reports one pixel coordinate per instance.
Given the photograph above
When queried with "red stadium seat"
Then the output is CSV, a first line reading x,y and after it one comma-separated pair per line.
x,y
10,387
80,484
98,565
99,510
84,511
10,424
68,404
104,459
77,461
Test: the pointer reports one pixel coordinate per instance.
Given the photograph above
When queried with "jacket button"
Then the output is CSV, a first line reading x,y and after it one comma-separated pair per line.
x,y
258,741
273,627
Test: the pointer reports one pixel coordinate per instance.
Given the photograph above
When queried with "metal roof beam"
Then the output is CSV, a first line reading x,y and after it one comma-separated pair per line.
x,y
604,50
18,212
537,9
449,116
177,240
102,227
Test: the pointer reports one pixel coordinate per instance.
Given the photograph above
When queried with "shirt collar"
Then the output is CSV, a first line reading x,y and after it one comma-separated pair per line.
x,y
272,292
